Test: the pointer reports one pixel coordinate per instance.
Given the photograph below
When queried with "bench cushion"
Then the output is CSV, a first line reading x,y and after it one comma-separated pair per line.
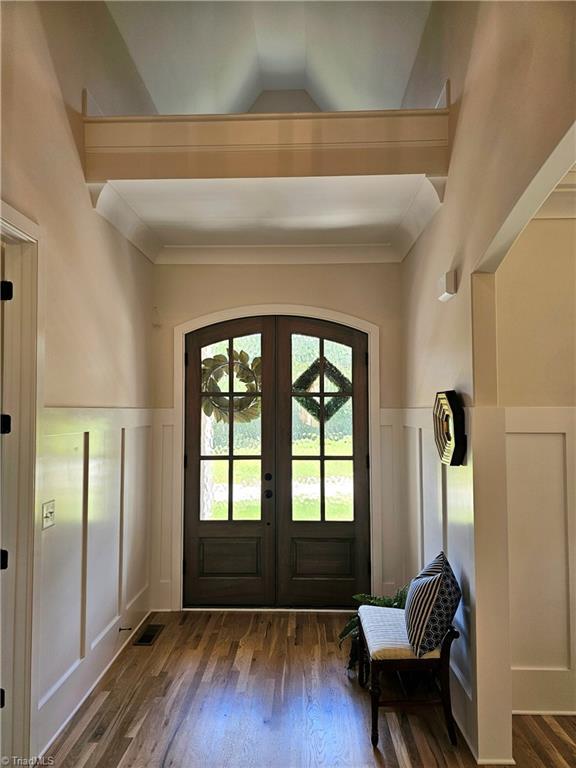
x,y
385,633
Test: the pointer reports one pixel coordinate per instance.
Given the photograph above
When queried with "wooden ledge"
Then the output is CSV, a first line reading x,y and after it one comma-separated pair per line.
x,y
265,145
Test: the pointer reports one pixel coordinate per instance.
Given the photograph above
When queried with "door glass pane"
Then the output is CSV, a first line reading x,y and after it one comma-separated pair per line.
x,y
214,426
214,362
213,489
247,489
247,351
306,490
337,367
339,491
247,425
305,426
305,363
338,428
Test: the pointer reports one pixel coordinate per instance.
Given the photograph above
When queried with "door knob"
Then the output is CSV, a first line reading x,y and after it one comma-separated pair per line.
x,y
268,494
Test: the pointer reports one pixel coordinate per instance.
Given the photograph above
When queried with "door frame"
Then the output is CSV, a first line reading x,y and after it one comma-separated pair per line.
x,y
29,395
295,310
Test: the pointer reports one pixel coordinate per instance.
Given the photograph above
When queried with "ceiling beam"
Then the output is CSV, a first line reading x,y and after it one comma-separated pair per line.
x,y
264,145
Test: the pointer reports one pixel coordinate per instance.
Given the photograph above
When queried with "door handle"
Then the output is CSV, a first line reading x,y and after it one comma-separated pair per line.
x,y
268,494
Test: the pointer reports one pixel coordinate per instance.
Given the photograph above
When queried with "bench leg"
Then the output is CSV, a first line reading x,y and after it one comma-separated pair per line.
x,y
363,662
375,701
447,703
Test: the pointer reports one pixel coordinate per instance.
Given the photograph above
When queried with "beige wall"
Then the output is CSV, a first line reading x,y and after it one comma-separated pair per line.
x,y
367,291
511,67
91,568
97,285
536,317
535,310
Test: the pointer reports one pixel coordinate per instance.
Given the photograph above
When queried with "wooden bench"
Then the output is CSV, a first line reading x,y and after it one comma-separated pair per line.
x,y
384,646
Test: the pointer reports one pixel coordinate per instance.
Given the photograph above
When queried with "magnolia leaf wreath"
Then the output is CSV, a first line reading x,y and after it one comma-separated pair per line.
x,y
312,404
217,404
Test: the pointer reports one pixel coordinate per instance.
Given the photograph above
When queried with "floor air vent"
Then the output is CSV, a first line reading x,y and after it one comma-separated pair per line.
x,y
149,634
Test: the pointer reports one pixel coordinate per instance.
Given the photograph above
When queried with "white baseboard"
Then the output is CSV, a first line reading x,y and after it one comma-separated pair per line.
x,y
544,712
92,687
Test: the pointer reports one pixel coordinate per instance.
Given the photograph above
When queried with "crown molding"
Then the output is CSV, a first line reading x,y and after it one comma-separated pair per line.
x,y
112,207
280,254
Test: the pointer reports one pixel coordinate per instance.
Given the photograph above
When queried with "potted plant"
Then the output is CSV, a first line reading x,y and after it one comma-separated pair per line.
x,y
352,627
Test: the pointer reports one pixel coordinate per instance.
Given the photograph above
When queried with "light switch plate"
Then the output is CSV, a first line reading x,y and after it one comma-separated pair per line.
x,y
48,514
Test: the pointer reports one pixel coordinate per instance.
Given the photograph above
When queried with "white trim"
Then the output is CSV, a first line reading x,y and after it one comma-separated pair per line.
x,y
92,687
59,683
136,597
18,224
375,253
29,352
297,310
259,609
546,179
544,712
110,204
101,635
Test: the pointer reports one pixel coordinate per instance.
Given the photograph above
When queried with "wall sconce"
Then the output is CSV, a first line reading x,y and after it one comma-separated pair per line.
x,y
447,286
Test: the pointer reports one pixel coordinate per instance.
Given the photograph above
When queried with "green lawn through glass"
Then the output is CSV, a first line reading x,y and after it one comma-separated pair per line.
x,y
247,475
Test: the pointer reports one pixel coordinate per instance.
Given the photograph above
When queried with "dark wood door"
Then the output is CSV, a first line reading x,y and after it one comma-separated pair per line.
x,y
229,545
322,508
276,479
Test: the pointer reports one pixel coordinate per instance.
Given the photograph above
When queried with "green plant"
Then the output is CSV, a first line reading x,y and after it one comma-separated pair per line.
x,y
351,629
216,404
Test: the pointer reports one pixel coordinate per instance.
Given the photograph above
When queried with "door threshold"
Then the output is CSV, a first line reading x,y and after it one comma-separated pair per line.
x,y
272,609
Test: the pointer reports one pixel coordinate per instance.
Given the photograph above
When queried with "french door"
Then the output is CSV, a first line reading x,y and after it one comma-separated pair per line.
x,y
276,505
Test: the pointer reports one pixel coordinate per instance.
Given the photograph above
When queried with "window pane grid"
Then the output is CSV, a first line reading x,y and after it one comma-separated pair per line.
x,y
322,481
231,452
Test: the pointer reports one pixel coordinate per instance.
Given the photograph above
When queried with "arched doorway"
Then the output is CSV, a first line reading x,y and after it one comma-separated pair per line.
x,y
276,480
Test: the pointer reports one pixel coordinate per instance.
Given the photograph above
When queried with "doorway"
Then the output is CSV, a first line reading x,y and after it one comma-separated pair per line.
x,y
18,393
276,479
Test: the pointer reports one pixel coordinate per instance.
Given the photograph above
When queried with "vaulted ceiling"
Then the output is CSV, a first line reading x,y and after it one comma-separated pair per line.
x,y
218,57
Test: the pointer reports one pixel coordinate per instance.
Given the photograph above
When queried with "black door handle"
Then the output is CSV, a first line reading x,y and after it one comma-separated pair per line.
x,y
268,494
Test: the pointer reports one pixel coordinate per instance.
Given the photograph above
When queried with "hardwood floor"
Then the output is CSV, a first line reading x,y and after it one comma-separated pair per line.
x,y
264,690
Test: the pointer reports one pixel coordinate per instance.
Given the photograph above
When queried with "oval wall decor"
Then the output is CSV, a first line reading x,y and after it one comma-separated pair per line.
x,y
449,428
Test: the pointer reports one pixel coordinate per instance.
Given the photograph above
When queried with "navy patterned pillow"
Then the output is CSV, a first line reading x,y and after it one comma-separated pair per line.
x,y
431,603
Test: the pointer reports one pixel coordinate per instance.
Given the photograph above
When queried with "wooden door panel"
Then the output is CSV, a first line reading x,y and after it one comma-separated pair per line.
x,y
321,561
229,558
325,558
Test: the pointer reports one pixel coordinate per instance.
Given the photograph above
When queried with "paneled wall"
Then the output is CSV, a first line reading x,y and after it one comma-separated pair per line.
x,y
436,513
92,571
541,480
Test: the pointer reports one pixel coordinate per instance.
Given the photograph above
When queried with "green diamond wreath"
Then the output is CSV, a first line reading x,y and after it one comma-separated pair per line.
x,y
217,404
311,404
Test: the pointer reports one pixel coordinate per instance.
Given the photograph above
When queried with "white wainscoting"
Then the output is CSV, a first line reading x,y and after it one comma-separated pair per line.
x,y
91,567
435,513
164,593
541,480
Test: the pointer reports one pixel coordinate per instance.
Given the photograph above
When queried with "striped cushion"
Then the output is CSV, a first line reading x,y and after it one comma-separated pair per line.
x,y
385,633
431,603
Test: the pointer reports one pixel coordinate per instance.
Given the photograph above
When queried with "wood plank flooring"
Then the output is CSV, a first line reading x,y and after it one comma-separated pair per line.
x,y
264,690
